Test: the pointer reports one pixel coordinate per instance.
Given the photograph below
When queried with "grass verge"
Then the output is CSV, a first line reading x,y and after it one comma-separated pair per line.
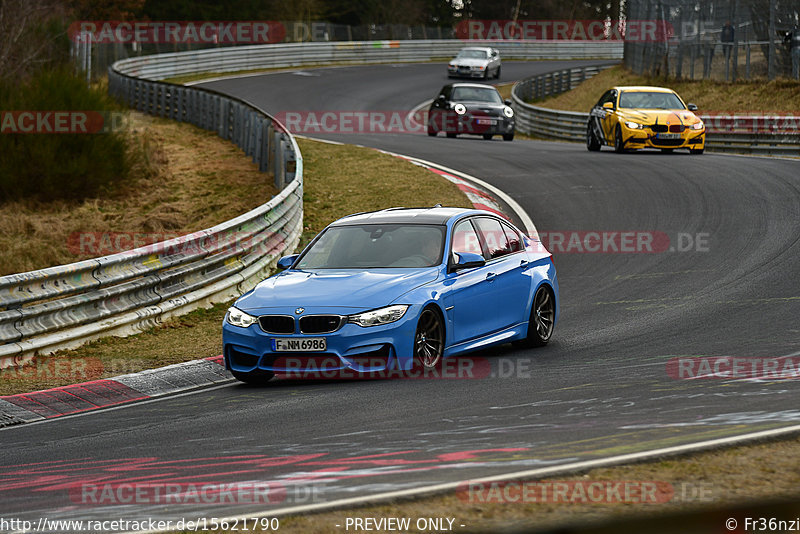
x,y
339,180
776,96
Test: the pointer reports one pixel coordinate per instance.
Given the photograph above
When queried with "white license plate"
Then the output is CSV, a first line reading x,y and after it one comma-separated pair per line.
x,y
305,344
668,136
485,121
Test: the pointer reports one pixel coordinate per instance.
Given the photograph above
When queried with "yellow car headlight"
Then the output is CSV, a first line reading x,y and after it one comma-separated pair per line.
x,y
633,125
698,126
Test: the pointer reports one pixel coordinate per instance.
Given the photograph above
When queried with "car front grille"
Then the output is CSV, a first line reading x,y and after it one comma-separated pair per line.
x,y
666,142
277,324
320,324
663,128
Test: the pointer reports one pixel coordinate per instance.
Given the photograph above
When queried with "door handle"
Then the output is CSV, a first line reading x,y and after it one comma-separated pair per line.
x,y
490,277
524,264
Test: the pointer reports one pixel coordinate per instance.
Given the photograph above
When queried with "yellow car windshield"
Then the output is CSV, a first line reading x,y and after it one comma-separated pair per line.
x,y
650,100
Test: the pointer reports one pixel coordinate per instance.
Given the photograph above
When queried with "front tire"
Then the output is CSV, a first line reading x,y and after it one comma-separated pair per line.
x,y
592,143
698,151
619,146
258,377
497,74
508,137
450,135
429,340
488,137
542,320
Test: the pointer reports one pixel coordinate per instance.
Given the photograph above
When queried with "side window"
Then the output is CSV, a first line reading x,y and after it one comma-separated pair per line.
x,y
603,99
514,240
465,239
491,231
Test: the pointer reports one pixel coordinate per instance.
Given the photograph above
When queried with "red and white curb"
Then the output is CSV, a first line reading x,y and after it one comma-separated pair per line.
x,y
97,394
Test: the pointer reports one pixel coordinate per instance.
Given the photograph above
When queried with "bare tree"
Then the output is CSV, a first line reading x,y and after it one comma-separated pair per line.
x,y
29,34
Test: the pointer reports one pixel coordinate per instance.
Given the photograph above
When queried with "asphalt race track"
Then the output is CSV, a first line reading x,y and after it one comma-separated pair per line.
x,y
721,281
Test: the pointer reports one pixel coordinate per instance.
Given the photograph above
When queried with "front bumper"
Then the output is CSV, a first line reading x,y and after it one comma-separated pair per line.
x,y
351,348
466,72
468,123
646,138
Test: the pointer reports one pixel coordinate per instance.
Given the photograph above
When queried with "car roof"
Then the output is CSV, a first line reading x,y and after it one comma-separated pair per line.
x,y
484,48
434,215
636,88
478,85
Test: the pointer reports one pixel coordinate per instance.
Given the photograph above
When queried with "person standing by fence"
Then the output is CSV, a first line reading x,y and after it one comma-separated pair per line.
x,y
727,38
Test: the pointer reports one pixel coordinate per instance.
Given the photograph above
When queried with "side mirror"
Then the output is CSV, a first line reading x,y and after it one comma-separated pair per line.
x,y
286,261
507,102
692,107
440,98
608,105
467,260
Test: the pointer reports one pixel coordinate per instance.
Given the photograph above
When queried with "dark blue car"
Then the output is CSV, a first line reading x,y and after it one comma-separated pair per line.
x,y
394,289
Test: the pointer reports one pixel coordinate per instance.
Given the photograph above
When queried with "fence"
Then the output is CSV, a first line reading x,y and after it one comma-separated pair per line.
x,y
778,135
714,39
64,306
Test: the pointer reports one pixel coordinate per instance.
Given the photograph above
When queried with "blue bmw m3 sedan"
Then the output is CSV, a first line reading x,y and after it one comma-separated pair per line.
x,y
401,288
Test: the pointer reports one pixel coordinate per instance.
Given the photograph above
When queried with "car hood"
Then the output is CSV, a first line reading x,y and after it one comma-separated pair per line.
x,y
335,288
662,116
484,107
469,62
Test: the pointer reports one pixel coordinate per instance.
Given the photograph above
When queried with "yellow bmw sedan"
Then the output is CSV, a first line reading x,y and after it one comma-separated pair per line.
x,y
628,118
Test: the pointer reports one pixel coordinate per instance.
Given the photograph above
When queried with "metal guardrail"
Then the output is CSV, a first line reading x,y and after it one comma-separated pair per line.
x,y
64,306
300,54
571,126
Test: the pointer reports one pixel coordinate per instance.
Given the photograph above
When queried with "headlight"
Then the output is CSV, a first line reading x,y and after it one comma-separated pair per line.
x,y
460,109
378,317
237,317
508,112
698,126
633,125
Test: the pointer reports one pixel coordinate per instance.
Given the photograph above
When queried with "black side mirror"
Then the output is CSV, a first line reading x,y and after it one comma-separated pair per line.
x,y
507,101
692,107
467,260
286,261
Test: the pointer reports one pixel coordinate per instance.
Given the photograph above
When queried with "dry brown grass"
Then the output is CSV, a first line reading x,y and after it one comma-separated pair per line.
x,y
189,179
777,96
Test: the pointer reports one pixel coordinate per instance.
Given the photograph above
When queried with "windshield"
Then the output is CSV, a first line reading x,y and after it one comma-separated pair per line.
x,y
476,94
372,246
472,54
650,100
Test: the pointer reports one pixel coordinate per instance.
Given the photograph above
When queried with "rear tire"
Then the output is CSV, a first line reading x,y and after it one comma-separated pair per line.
x,y
542,320
254,378
450,135
488,137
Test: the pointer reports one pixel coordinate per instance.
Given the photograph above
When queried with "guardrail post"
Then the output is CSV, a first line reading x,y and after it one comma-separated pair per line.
x,y
289,163
278,168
